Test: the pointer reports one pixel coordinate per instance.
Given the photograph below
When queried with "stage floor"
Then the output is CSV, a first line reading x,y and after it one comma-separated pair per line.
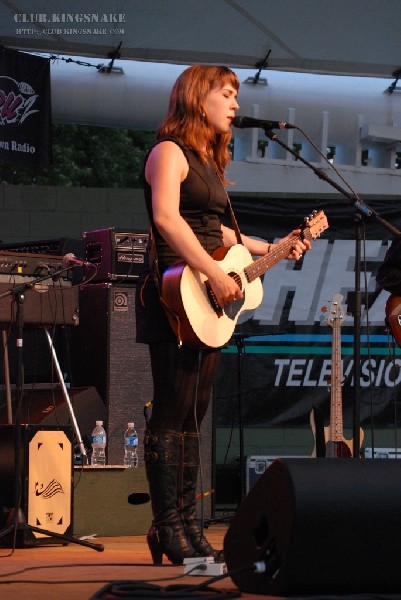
x,y
78,573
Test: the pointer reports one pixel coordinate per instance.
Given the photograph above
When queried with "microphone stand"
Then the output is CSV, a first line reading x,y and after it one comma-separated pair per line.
x,y
238,339
239,342
363,211
16,520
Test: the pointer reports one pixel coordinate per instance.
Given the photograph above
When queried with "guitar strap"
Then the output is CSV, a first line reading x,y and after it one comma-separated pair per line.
x,y
233,219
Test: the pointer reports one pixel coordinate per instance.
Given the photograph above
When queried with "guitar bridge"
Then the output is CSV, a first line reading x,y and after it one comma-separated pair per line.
x,y
213,300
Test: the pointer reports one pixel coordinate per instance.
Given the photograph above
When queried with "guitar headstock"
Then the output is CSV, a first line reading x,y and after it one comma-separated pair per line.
x,y
336,315
314,224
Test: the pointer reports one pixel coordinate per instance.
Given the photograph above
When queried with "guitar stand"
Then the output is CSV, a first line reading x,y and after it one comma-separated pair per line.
x,y
16,521
239,341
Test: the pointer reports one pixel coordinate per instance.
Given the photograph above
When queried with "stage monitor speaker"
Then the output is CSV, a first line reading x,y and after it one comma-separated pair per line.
x,y
46,481
319,526
47,406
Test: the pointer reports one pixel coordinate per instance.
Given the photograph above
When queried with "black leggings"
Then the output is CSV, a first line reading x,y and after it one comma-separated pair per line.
x,y
182,379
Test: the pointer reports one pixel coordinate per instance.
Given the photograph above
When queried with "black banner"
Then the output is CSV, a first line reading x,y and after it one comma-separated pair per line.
x,y
25,109
284,347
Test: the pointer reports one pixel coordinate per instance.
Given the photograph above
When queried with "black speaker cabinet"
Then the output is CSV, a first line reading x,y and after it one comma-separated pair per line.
x,y
105,355
319,526
46,469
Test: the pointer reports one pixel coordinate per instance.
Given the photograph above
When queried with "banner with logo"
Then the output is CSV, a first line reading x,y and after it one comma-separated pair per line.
x,y
25,109
283,349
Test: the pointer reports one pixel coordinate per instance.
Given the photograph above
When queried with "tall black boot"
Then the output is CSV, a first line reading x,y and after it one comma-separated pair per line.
x,y
187,497
167,534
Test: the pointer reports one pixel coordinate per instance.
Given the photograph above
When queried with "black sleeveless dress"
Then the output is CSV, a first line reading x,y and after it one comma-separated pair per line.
x,y
203,202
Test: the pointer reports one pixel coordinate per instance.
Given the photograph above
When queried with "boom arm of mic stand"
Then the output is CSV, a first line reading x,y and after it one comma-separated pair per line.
x,y
359,205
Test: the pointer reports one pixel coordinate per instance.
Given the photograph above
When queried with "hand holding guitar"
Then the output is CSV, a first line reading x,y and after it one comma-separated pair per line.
x,y
226,288
300,245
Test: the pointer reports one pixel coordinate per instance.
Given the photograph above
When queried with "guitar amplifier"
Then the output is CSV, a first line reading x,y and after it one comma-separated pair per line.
x,y
118,254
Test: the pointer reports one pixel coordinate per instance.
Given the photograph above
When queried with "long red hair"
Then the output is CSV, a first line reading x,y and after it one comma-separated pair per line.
x,y
186,118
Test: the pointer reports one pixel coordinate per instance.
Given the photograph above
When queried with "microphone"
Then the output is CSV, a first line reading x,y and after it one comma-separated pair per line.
x,y
71,259
247,122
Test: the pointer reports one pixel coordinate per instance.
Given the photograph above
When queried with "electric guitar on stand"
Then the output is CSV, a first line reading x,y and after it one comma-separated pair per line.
x,y
196,318
334,444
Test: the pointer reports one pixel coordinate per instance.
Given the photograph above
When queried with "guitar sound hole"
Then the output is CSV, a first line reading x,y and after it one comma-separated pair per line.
x,y
236,278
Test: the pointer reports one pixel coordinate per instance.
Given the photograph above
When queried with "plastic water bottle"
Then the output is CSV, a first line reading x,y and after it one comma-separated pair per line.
x,y
131,446
98,445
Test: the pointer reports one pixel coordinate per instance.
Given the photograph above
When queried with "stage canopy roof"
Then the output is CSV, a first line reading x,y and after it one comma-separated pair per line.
x,y
358,37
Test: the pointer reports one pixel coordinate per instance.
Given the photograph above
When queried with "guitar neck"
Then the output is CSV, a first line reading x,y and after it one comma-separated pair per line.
x,y
279,251
336,412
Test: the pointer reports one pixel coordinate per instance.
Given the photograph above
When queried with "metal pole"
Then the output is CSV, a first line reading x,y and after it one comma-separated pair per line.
x,y
65,393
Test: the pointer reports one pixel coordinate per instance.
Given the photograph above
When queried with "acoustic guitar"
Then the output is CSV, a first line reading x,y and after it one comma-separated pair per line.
x,y
194,314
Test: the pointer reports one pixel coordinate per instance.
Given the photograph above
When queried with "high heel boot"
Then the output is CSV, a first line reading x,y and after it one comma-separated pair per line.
x,y
167,534
189,467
